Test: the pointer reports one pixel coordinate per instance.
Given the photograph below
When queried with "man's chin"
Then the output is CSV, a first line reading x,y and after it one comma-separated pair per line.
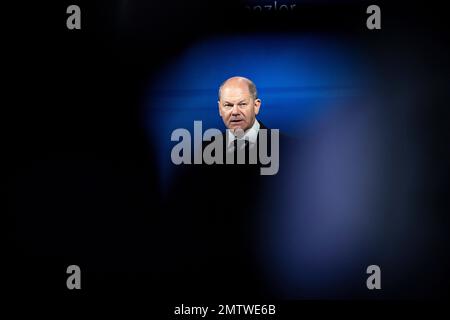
x,y
236,129
236,126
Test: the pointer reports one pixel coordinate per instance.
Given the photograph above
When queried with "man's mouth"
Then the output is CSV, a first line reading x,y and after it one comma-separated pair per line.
x,y
237,121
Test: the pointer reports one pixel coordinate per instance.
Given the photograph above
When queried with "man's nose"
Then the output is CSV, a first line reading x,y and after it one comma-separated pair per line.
x,y
235,110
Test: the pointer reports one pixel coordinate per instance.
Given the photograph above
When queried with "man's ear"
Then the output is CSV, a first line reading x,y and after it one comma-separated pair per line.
x,y
257,105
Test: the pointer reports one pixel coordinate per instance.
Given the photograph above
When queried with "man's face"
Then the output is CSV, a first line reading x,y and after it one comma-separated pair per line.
x,y
237,107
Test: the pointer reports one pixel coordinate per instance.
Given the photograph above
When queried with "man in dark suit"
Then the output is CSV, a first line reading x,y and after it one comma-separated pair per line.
x,y
230,204
246,140
219,203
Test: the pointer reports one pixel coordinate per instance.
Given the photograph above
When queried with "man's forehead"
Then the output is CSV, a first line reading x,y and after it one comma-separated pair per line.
x,y
235,99
235,86
234,95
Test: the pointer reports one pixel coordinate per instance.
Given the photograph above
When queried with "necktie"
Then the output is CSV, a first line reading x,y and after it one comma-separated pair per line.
x,y
241,148
238,144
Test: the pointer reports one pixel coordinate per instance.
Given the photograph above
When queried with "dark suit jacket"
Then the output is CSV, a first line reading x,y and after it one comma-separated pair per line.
x,y
254,168
215,211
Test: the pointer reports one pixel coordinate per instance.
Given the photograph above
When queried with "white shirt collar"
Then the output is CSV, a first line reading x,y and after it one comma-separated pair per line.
x,y
251,134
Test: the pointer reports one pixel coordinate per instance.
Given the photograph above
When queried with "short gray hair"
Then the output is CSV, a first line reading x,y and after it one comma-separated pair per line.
x,y
251,86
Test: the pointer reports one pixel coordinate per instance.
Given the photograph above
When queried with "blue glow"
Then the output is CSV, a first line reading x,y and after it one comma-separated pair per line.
x,y
298,79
